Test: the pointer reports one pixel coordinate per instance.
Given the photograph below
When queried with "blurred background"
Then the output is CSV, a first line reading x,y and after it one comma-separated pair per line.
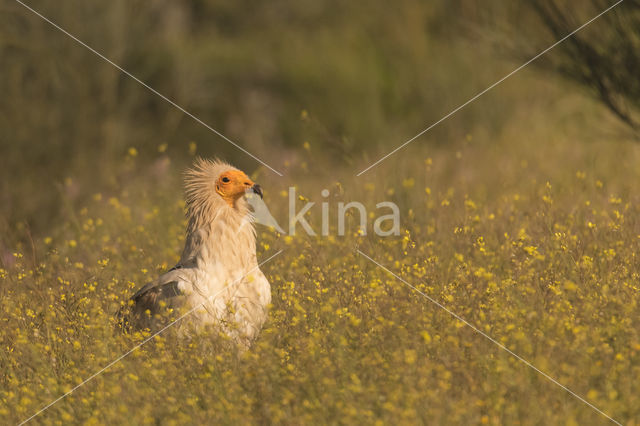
x,y
352,80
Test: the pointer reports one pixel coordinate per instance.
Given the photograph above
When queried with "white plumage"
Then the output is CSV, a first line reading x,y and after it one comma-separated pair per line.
x,y
218,270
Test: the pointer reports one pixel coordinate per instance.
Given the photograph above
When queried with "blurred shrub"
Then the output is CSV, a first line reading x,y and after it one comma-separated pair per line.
x,y
367,76
605,61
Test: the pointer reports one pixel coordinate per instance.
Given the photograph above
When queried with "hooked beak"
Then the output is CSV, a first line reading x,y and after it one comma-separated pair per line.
x,y
257,190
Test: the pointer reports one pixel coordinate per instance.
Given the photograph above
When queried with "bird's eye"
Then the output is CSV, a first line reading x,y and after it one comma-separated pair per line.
x,y
225,179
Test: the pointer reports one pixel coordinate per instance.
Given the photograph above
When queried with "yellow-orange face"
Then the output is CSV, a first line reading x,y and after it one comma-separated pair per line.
x,y
233,184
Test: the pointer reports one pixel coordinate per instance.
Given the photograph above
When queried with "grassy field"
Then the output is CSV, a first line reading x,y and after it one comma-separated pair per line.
x,y
535,243
519,214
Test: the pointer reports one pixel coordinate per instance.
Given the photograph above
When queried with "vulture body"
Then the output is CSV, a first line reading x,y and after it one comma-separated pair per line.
x,y
217,278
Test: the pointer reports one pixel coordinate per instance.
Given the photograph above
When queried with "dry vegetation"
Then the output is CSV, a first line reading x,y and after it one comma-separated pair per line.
x,y
541,253
520,215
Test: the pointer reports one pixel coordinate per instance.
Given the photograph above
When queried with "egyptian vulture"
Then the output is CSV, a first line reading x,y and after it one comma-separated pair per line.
x,y
217,277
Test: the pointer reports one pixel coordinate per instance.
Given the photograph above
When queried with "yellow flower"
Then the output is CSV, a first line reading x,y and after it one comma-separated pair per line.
x,y
408,183
410,356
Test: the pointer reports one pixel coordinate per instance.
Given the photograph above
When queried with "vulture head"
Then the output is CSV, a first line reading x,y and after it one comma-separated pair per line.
x,y
214,186
232,184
